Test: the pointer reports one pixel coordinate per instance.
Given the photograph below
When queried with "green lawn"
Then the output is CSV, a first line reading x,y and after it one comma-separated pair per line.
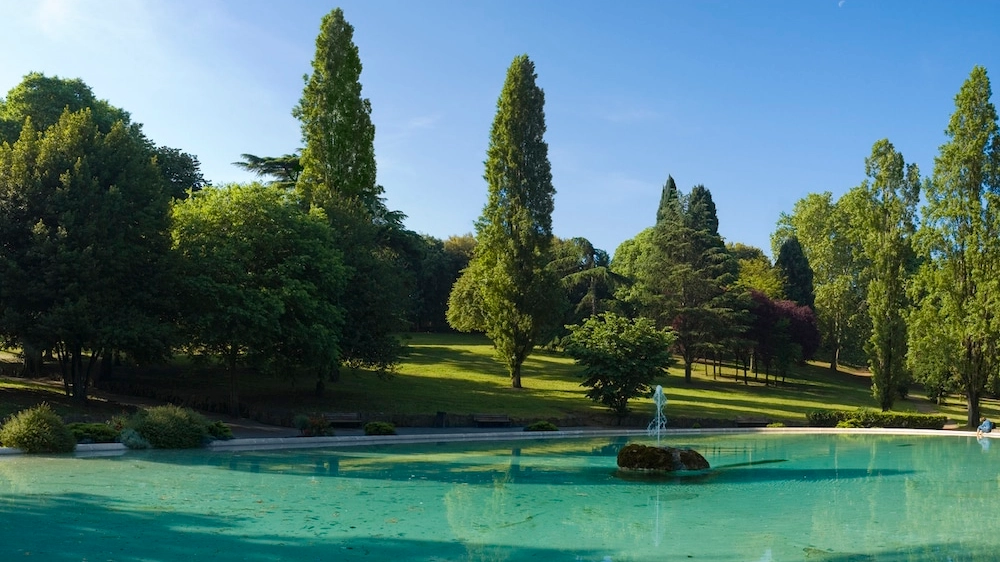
x,y
457,374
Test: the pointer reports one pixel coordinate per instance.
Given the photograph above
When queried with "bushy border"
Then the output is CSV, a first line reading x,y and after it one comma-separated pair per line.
x,y
37,430
541,426
173,427
866,417
379,428
93,432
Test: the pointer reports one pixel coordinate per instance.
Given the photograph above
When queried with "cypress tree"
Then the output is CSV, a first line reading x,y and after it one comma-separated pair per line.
x,y
797,274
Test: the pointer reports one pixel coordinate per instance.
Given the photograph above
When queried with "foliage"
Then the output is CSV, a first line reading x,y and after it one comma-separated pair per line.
x,y
541,425
133,439
260,281
219,430
620,357
171,427
776,424
93,432
865,417
884,218
283,171
181,171
782,332
37,430
437,266
338,175
43,99
84,218
682,275
755,271
823,228
312,425
507,291
379,428
954,325
338,158
586,277
796,274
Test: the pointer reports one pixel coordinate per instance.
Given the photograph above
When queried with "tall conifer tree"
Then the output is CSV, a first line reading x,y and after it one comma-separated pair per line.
x,y
507,291
796,273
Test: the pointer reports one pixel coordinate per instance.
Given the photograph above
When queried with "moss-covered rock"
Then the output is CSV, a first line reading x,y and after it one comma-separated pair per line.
x,y
668,459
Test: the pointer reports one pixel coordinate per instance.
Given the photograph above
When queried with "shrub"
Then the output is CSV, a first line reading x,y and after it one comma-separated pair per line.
x,y
93,432
219,430
776,424
312,426
37,430
171,427
131,439
541,426
865,417
379,428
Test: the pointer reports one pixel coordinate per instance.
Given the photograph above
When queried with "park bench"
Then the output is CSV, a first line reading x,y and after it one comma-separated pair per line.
x,y
490,420
752,422
350,419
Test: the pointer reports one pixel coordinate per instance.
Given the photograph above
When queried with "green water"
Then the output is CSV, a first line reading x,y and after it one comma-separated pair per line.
x,y
832,498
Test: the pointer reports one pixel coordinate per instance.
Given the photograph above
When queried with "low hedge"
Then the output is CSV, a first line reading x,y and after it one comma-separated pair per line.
x,y
93,432
866,417
379,428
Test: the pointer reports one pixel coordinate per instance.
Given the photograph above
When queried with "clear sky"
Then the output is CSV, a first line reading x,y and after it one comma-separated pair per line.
x,y
760,101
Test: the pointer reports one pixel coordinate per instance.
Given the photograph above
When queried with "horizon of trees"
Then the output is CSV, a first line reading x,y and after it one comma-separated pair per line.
x,y
104,252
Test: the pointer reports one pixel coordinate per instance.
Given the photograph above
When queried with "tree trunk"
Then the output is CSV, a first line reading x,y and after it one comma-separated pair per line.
x,y
31,365
972,401
515,376
234,398
687,370
835,361
78,374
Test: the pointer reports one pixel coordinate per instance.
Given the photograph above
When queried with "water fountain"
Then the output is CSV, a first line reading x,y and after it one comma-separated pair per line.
x,y
659,422
635,456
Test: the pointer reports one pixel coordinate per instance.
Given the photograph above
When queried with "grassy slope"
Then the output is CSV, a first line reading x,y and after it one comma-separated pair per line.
x,y
456,373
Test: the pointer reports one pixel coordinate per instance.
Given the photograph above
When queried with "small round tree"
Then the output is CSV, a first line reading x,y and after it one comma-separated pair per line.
x,y
621,357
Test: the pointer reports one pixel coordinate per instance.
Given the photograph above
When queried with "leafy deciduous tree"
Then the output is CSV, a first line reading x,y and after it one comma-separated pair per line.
x,y
621,357
887,205
957,288
260,281
824,231
84,238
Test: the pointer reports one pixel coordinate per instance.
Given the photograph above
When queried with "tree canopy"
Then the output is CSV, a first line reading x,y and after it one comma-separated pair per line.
x,y
83,214
260,281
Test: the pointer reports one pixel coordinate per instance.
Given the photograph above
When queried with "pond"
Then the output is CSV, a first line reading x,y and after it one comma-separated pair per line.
x,y
768,497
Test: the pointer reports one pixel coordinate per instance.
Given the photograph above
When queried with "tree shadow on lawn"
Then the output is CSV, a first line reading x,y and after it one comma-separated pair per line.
x,y
73,527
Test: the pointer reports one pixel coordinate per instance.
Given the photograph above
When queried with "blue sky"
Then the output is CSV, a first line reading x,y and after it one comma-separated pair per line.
x,y
760,101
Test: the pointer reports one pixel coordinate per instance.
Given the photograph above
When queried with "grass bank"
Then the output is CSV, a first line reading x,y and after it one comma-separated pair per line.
x,y
457,374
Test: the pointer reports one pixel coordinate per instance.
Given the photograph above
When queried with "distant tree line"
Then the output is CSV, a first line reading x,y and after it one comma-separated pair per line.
x,y
113,248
